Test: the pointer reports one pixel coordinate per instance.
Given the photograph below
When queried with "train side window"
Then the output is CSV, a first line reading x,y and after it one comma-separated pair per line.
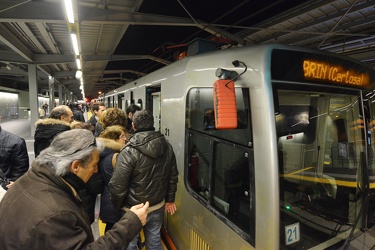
x,y
200,115
220,172
199,163
232,185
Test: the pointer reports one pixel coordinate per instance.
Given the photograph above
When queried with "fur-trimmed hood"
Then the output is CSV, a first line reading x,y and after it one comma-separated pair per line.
x,y
50,121
111,144
45,131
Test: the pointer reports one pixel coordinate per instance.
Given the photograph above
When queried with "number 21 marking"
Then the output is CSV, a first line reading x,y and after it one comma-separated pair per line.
x,y
292,233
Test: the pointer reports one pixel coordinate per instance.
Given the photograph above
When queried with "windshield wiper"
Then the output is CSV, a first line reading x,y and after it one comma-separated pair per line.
x,y
365,194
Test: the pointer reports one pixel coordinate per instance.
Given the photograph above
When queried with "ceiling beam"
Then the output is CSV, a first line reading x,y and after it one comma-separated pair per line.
x,y
46,12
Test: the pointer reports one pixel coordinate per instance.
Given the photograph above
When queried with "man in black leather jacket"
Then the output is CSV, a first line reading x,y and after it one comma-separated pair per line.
x,y
146,170
14,160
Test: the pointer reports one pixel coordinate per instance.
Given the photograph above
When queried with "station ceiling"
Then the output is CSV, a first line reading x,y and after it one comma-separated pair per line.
x,y
122,40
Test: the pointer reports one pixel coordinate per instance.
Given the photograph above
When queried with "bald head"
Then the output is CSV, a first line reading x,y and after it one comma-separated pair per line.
x,y
62,112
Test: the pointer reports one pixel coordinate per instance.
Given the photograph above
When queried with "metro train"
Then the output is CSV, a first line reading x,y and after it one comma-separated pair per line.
x,y
274,146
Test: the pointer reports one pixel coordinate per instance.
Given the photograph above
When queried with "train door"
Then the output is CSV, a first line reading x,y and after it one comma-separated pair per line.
x,y
220,173
156,109
127,99
153,104
120,101
110,101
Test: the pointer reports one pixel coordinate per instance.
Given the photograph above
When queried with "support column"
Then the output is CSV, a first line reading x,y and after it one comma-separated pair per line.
x,y
51,89
60,89
65,96
68,96
33,95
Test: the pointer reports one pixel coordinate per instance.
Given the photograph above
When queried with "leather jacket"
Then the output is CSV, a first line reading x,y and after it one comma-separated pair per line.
x,y
14,160
146,170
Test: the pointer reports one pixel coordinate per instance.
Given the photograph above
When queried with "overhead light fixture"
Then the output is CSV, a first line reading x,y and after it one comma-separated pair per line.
x,y
51,79
75,43
78,61
78,74
69,10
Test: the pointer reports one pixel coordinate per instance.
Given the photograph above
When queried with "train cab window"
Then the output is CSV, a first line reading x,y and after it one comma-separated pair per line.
x,y
220,168
322,147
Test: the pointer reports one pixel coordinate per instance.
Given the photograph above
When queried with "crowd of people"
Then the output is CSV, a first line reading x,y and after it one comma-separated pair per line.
x,y
115,154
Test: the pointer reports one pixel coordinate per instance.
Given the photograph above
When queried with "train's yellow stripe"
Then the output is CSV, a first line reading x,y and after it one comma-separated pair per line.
x,y
102,229
294,175
296,172
324,180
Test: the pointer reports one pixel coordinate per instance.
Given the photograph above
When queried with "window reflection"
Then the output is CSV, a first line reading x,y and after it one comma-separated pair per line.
x,y
321,151
220,168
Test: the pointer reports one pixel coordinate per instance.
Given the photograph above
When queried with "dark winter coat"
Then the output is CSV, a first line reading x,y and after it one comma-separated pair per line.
x,y
93,187
98,129
78,115
14,160
45,131
108,213
42,211
146,170
93,120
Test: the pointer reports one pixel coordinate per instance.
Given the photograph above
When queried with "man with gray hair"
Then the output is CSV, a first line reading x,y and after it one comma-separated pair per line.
x,y
43,210
146,170
46,129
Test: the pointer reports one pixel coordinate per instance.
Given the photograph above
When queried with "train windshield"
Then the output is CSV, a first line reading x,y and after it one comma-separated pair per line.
x,y
325,141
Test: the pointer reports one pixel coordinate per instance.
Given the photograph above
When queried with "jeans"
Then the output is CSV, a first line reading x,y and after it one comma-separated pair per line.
x,y
151,231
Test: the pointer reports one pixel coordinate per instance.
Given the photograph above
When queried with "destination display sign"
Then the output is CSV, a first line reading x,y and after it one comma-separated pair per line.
x,y
333,73
297,66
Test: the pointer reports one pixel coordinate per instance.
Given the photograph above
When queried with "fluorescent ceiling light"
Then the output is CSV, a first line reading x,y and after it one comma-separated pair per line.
x,y
78,61
69,10
78,74
75,43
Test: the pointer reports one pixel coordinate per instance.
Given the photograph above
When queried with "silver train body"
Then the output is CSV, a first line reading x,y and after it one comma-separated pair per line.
x,y
298,170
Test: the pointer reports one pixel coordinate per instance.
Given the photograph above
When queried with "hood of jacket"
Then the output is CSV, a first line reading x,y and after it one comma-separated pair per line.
x,y
48,128
150,143
110,144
